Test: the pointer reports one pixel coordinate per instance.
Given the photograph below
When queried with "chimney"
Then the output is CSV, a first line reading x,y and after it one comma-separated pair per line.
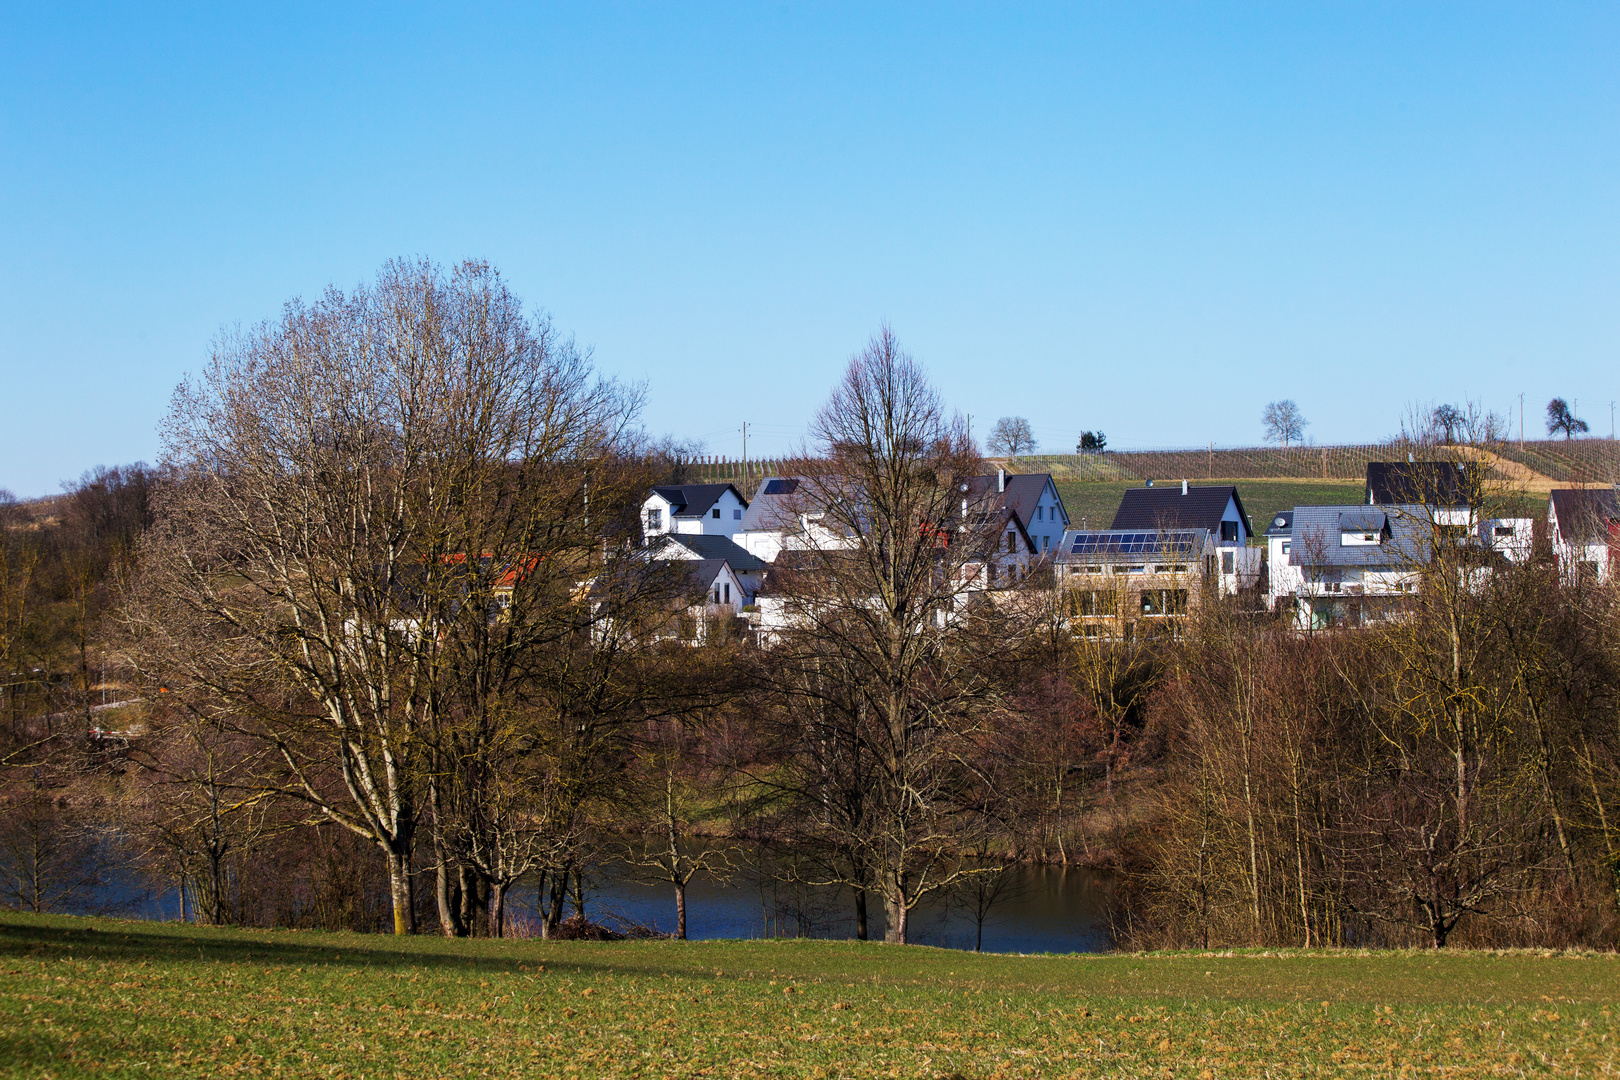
x,y
1184,487
1001,479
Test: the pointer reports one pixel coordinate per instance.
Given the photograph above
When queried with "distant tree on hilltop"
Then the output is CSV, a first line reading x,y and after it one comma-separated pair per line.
x,y
1284,422
1560,418
1011,436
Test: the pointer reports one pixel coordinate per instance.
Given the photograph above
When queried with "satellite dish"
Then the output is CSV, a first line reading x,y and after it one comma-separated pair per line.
x,y
1280,522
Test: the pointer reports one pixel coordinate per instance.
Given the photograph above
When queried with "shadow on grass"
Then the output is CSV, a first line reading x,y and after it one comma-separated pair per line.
x,y
126,941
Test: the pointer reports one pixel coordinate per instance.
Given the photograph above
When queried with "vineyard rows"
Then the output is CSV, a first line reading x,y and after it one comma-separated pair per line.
x,y
1572,461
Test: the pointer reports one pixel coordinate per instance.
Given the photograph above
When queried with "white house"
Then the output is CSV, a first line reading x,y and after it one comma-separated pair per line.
x,y
1346,565
1512,538
1584,526
786,513
748,570
693,509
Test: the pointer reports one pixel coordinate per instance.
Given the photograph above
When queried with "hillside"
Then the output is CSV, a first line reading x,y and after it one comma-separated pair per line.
x,y
81,997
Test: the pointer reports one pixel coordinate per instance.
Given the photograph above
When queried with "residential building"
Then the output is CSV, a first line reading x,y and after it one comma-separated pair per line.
x,y
1346,565
1449,488
1215,508
693,509
1022,515
1583,525
787,512
1124,582
748,570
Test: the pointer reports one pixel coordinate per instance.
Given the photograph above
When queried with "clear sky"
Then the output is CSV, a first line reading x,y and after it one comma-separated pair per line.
x,y
1149,219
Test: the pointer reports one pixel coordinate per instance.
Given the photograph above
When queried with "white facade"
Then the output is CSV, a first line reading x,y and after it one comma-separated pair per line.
x,y
718,516
1512,538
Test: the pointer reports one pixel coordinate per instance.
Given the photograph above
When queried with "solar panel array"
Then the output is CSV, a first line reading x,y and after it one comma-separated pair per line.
x,y
1110,544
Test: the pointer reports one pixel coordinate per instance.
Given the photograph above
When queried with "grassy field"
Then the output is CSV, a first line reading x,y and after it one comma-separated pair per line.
x,y
97,997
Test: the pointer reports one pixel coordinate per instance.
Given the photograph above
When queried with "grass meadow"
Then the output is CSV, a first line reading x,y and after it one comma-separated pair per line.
x,y
101,997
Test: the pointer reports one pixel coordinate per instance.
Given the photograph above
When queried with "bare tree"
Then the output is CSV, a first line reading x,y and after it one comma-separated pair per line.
x,y
1011,436
886,670
1284,422
355,485
1447,421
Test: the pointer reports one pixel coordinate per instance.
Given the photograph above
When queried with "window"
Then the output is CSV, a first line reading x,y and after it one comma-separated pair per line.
x,y
1164,601
1046,543
1286,544
1229,532
1093,602
717,513
655,519
1504,530
1012,543
736,515
1228,562
727,588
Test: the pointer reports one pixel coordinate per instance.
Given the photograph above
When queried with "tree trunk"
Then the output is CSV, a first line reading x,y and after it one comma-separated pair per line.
x,y
497,909
680,910
860,915
402,893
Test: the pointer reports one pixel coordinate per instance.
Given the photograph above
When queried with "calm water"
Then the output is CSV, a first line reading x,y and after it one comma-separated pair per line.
x,y
1037,909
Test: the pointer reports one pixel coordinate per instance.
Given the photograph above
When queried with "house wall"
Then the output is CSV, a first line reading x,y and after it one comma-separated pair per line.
x,y
1110,604
730,509
1048,521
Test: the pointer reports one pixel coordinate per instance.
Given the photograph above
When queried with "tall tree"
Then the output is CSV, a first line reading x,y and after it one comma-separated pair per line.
x,y
885,670
353,486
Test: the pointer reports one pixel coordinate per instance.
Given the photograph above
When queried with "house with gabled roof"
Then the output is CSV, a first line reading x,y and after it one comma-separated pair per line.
x,y
693,509
1215,508
1347,565
1448,488
747,569
1584,526
789,512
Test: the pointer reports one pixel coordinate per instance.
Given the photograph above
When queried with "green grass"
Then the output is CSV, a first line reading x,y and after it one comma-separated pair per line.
x,y
1096,502
83,997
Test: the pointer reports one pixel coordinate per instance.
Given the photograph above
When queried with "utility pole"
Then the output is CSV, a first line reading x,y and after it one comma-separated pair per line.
x,y
745,459
1521,423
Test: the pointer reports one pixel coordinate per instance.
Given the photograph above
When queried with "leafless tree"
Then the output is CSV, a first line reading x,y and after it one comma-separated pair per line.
x,y
886,669
359,489
1284,422
1011,436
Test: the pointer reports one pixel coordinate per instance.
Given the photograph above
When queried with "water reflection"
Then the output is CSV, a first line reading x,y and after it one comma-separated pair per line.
x,y
1035,909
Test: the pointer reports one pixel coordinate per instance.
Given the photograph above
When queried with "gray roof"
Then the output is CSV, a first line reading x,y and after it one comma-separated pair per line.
x,y
1167,508
1584,513
1317,529
695,500
703,572
1281,524
1022,493
776,506
714,547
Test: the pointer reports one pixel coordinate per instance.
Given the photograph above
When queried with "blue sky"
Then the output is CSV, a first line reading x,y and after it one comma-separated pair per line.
x,y
1149,219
